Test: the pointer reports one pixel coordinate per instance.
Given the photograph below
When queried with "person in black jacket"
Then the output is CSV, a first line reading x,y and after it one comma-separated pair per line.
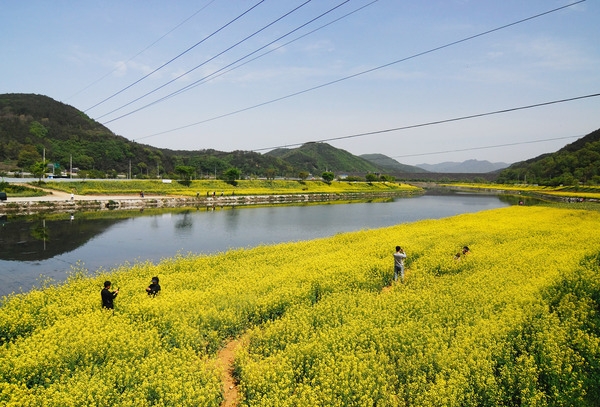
x,y
108,296
154,287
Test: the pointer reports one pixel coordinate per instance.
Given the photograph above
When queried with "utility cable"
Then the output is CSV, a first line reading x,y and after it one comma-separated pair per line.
x,y
433,123
363,72
485,147
220,71
141,52
214,74
202,64
178,56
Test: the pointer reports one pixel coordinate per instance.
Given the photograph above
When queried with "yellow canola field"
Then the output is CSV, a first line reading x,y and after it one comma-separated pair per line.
x,y
515,322
204,188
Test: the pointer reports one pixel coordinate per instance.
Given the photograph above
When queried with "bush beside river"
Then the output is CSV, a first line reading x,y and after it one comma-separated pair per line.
x,y
514,322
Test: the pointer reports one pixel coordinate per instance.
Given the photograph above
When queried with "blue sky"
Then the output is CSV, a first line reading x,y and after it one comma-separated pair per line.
x,y
376,69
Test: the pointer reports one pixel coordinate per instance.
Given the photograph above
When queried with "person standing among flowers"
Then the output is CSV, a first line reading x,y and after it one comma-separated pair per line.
x,y
154,287
399,257
108,296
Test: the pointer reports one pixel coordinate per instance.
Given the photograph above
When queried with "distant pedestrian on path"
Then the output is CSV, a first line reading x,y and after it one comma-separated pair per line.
x,y
399,257
72,196
108,296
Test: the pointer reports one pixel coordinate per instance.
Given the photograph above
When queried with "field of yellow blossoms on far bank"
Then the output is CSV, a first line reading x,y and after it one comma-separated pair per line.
x,y
204,188
516,322
591,192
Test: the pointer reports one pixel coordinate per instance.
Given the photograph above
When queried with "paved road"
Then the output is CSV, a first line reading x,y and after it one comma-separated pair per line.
x,y
64,196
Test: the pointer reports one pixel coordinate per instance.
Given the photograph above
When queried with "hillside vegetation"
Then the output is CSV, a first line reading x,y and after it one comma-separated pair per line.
x,y
316,157
32,126
514,323
389,164
578,162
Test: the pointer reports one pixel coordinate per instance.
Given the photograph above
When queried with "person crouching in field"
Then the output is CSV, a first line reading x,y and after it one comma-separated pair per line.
x,y
154,287
108,296
399,257
465,250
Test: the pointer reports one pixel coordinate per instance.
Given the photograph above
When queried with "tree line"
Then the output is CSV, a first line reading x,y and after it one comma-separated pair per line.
x,y
576,163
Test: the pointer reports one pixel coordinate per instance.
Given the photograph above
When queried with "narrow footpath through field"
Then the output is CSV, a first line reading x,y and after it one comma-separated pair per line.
x,y
225,359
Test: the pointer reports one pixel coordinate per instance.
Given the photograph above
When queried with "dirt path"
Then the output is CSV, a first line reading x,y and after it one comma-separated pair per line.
x,y
225,359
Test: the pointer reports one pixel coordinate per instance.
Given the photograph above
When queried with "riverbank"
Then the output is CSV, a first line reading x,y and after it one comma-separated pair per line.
x,y
123,195
63,203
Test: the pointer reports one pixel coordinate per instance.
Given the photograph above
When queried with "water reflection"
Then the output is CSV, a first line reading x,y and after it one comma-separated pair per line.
x,y
50,246
39,239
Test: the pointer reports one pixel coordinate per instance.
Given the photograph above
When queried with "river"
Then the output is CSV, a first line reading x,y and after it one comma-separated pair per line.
x,y
33,250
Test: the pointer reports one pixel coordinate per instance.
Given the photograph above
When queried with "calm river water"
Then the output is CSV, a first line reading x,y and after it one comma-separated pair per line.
x,y
49,248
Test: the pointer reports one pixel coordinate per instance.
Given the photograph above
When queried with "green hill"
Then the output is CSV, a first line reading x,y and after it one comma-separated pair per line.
x,y
388,164
35,126
32,126
578,162
319,157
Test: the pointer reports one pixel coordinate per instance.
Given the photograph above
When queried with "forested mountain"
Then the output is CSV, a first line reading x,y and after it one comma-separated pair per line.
x,y
35,125
319,157
388,164
578,162
32,126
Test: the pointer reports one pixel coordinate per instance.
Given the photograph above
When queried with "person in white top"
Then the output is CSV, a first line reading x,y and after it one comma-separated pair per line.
x,y
399,257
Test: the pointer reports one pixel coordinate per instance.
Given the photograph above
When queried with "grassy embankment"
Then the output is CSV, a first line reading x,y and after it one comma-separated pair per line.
x,y
587,192
515,322
244,187
16,190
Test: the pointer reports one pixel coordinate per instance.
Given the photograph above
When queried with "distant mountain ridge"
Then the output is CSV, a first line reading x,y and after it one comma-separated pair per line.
x,y
388,164
318,157
469,166
32,125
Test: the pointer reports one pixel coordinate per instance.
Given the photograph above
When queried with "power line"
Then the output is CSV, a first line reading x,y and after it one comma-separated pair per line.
x,y
486,147
455,119
362,72
142,51
203,63
214,74
181,54
220,73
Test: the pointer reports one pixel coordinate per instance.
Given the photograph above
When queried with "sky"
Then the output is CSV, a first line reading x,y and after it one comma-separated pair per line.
x,y
399,78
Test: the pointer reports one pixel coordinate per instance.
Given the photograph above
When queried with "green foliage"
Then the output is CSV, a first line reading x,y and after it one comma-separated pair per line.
x,y
232,174
186,172
28,156
38,169
578,162
370,177
71,137
270,173
388,164
328,176
36,129
318,157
